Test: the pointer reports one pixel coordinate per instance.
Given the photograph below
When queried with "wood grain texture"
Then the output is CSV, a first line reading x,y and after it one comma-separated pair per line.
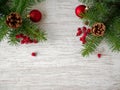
x,y
58,65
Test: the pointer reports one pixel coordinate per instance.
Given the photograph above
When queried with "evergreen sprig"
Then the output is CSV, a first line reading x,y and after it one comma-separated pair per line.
x,y
92,43
3,28
107,12
28,28
21,5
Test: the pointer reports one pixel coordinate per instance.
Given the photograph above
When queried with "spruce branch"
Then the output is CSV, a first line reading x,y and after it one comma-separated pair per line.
x,y
97,13
107,12
32,30
12,37
91,45
114,3
21,5
113,34
27,28
3,28
4,7
88,2
3,2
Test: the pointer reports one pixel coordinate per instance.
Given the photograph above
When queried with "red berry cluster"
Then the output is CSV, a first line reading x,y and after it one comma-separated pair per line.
x,y
25,39
84,32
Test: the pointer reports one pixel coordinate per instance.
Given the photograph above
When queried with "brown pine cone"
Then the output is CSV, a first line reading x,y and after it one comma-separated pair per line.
x,y
14,20
98,29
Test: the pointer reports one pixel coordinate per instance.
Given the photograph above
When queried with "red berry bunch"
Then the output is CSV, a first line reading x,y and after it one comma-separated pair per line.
x,y
84,32
25,39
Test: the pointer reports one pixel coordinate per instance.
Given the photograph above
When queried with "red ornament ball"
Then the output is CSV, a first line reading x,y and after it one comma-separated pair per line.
x,y
80,10
34,54
99,55
35,15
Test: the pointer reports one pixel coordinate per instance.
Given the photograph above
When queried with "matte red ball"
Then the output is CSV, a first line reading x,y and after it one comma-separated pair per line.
x,y
35,15
79,10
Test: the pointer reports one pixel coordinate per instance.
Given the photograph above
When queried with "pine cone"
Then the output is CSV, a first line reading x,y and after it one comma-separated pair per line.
x,y
98,29
14,20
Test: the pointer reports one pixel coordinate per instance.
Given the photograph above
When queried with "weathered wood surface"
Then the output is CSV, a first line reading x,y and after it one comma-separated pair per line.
x,y
59,65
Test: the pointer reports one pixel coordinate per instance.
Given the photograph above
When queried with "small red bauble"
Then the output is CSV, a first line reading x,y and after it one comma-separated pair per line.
x,y
79,32
99,55
80,10
84,29
35,15
18,36
89,30
33,53
35,41
22,41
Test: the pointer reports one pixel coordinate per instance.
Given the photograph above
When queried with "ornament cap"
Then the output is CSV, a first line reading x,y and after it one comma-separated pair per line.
x,y
87,8
28,16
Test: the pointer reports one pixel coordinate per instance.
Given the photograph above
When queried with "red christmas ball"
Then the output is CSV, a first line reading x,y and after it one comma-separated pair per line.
x,y
99,55
34,54
35,15
80,10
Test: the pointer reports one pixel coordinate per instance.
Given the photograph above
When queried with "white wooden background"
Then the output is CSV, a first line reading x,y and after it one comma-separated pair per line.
x,y
59,64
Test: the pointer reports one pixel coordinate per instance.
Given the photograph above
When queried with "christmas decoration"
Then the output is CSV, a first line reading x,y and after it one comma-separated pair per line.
x,y
98,29
80,10
84,32
99,55
103,16
34,54
14,20
25,39
16,26
79,32
35,15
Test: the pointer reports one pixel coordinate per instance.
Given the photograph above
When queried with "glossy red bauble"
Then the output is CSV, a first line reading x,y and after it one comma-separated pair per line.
x,y
35,15
34,54
80,10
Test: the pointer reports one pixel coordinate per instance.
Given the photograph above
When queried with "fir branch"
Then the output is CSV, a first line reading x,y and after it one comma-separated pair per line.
x,y
3,28
3,2
114,3
21,5
32,31
113,34
91,45
104,12
12,37
110,1
88,2
28,28
96,13
4,7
